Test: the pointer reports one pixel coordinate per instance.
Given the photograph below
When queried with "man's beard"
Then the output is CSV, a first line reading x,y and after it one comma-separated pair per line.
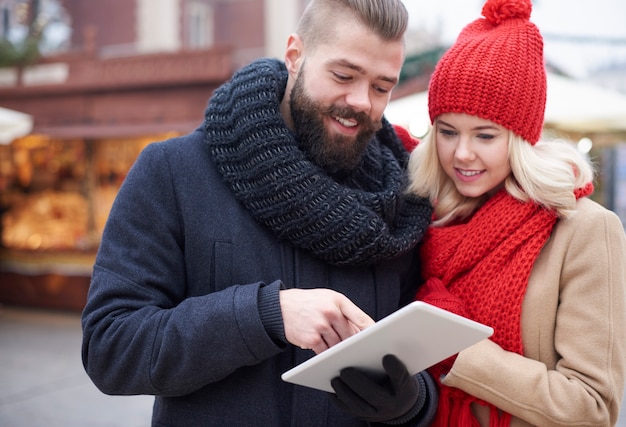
x,y
333,153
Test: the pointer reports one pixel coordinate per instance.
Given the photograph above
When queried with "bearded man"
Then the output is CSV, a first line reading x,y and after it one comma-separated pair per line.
x,y
278,228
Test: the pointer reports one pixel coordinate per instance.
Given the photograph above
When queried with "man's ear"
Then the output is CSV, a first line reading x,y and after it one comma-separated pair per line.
x,y
294,55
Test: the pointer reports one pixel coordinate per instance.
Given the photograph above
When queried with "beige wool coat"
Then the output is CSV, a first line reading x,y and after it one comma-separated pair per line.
x,y
573,332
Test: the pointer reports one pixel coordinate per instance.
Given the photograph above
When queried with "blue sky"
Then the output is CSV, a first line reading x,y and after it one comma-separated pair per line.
x,y
597,19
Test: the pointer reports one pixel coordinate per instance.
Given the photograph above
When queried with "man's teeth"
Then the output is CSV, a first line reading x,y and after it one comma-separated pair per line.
x,y
346,122
468,173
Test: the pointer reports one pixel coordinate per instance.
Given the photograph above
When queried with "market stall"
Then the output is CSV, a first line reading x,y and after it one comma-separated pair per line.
x,y
55,200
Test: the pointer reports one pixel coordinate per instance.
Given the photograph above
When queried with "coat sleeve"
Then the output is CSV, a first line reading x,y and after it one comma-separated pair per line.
x,y
586,382
141,334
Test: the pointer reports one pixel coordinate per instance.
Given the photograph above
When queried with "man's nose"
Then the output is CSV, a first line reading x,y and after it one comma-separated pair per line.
x,y
359,98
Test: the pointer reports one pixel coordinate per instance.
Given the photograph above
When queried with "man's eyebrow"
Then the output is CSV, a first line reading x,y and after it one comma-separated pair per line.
x,y
347,64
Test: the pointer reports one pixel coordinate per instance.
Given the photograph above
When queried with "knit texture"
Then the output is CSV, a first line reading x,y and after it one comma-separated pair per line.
x,y
365,218
495,70
480,269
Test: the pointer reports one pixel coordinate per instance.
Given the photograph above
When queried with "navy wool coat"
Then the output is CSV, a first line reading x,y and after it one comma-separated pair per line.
x,y
173,310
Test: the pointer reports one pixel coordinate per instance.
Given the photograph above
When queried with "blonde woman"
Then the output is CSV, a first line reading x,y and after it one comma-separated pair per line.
x,y
515,243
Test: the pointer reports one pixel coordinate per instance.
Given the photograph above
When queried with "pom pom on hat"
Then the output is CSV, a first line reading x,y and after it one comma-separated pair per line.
x,y
495,70
498,11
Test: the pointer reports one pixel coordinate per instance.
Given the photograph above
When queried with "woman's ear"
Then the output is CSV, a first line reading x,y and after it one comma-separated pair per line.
x,y
294,55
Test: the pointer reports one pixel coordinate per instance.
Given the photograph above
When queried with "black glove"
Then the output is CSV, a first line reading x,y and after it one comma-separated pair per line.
x,y
394,397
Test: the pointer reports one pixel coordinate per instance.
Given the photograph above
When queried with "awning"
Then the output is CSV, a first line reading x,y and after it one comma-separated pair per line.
x,y
125,130
14,124
572,106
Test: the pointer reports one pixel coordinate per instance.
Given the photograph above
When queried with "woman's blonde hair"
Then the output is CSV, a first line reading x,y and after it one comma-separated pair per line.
x,y
546,173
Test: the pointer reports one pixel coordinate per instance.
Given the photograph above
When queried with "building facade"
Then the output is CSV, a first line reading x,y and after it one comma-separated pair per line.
x,y
119,75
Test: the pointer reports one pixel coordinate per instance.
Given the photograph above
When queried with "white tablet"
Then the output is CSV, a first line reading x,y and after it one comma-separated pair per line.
x,y
419,334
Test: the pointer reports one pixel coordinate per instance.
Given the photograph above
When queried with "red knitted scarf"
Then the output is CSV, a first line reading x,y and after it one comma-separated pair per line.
x,y
485,265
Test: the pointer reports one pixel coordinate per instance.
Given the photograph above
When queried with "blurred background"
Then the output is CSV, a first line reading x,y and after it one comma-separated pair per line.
x,y
85,85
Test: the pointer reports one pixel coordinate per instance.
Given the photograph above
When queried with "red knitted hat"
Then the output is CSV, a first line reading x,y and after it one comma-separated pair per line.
x,y
495,70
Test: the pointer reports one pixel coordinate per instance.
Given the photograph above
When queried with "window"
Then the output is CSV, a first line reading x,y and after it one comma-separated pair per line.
x,y
4,29
199,25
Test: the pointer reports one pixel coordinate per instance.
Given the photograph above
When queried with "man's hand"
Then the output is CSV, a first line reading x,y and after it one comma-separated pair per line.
x,y
317,319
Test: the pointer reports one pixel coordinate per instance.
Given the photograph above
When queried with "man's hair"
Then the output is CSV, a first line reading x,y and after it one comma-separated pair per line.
x,y
388,19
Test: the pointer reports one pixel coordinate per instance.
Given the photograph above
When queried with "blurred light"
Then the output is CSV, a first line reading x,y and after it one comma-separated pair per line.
x,y
419,127
585,145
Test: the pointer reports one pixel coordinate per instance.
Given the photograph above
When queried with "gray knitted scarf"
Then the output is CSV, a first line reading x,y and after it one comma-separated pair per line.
x,y
365,218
